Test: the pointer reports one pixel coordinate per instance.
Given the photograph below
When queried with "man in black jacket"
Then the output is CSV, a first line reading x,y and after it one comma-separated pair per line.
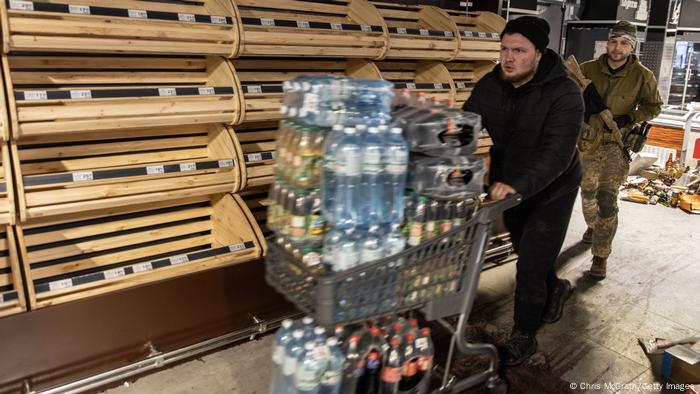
x,y
533,112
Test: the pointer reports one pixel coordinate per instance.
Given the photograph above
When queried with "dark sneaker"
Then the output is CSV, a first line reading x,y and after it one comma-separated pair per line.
x,y
588,236
555,304
519,348
598,267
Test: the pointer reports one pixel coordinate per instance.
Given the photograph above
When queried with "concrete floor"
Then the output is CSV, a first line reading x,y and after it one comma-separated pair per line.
x,y
651,291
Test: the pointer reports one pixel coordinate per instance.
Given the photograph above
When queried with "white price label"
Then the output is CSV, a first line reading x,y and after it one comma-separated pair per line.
x,y
221,20
462,3
254,157
254,89
411,85
142,14
206,90
21,5
79,9
115,273
153,170
188,167
274,154
424,32
142,267
366,28
80,94
401,30
448,34
303,25
36,95
179,259
185,17
225,163
82,176
60,284
422,343
167,92
337,26
438,86
482,34
2,298
236,247
267,21
461,85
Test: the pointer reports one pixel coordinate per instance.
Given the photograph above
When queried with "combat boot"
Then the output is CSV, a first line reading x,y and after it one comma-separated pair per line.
x,y
555,304
520,347
588,236
598,267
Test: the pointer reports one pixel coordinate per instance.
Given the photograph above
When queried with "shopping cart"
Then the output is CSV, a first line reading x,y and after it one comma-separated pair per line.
x,y
439,277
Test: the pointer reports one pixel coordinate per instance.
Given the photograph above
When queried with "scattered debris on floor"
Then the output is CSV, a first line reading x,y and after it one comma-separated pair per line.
x,y
671,186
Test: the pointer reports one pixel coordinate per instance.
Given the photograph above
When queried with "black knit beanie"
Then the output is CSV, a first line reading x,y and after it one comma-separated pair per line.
x,y
533,28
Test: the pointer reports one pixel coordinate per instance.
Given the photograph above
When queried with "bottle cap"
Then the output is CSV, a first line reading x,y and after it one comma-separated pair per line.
x,y
413,323
337,127
309,345
396,130
287,323
373,130
298,334
307,321
318,331
332,341
354,339
398,327
410,337
349,130
374,331
395,341
426,332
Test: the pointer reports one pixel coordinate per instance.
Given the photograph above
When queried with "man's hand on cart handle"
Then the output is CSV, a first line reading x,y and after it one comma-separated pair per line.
x,y
499,191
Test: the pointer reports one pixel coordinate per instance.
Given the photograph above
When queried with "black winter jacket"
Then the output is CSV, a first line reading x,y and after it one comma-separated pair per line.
x,y
534,129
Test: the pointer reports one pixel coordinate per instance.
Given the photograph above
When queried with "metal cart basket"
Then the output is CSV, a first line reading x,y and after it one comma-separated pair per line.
x,y
439,277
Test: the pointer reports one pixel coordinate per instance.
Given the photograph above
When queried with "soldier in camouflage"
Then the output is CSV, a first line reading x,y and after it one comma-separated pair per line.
x,y
630,91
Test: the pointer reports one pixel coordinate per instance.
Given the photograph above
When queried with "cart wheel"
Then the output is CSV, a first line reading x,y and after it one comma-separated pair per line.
x,y
497,386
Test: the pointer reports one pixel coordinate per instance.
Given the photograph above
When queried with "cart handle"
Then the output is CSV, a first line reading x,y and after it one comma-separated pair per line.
x,y
490,209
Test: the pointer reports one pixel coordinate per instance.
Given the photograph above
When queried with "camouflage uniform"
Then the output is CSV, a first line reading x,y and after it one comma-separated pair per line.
x,y
631,91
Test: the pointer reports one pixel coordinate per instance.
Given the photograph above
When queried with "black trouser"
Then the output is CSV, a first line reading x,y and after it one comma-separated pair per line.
x,y
537,229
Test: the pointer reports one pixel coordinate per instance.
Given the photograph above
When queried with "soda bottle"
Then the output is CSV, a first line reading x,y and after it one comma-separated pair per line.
x,y
316,224
331,379
391,373
354,366
426,353
460,213
395,165
282,338
372,245
310,367
431,220
374,349
372,186
299,216
409,371
417,222
348,170
289,367
409,200
449,210
329,177
341,334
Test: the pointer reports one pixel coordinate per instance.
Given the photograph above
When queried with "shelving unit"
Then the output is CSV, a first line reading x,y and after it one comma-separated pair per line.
x,y
429,77
344,28
465,74
12,298
204,27
419,32
479,34
77,255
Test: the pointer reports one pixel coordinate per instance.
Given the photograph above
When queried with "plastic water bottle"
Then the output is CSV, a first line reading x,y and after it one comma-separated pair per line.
x,y
372,247
282,338
307,324
328,176
348,252
331,243
320,335
310,367
450,178
348,167
372,193
395,163
333,375
289,367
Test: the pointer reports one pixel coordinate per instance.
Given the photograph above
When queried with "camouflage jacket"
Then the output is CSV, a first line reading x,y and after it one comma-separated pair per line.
x,y
631,91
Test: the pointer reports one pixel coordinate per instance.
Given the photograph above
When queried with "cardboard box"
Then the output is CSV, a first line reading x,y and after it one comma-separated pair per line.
x,y
690,203
681,364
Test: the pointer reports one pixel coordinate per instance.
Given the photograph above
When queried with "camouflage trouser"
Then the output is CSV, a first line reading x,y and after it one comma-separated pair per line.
x,y
603,172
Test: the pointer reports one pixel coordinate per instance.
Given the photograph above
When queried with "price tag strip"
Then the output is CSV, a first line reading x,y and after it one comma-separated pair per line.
x,y
82,176
299,24
421,32
60,284
262,156
80,9
480,35
422,86
465,85
85,94
258,89
9,296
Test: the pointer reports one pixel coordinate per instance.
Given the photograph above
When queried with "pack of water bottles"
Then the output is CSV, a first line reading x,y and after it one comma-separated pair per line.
x,y
391,355
326,100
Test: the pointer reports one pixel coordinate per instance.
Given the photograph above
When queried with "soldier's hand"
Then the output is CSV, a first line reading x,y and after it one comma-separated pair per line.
x,y
499,191
622,121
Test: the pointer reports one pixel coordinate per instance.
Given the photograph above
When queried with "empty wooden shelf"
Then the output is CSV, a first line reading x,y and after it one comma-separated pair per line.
x,y
429,77
12,298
